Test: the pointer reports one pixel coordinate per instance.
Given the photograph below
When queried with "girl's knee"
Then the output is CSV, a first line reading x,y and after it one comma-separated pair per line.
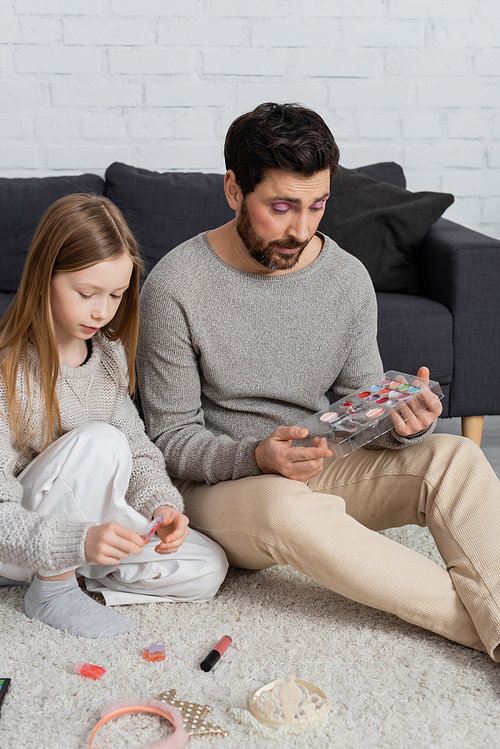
x,y
214,572
102,441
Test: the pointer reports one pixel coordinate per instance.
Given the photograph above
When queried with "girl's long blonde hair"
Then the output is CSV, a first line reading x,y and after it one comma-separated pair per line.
x,y
76,232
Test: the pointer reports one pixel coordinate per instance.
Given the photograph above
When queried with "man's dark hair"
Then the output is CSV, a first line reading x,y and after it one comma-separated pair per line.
x,y
279,136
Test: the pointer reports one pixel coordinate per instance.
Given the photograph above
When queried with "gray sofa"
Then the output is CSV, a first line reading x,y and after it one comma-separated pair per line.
x,y
437,282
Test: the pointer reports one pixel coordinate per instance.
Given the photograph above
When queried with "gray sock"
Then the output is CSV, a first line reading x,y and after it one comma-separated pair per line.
x,y
8,581
63,605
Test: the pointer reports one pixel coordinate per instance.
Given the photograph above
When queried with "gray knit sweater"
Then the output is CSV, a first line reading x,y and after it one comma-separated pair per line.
x,y
226,356
94,392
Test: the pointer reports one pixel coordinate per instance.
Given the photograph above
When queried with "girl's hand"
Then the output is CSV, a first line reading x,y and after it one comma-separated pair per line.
x,y
111,542
172,531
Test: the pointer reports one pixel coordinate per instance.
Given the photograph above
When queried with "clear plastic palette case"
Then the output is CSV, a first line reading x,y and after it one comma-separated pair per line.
x,y
364,415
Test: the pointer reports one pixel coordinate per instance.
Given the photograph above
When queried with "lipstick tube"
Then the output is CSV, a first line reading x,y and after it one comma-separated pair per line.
x,y
216,654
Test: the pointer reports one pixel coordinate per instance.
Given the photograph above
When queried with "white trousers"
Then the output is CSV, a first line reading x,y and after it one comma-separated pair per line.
x,y
83,476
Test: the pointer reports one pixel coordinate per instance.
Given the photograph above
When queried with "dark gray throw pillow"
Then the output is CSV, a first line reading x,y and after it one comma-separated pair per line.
x,y
23,202
165,209
383,226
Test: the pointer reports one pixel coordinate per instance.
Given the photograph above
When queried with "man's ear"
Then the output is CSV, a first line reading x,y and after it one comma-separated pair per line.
x,y
232,190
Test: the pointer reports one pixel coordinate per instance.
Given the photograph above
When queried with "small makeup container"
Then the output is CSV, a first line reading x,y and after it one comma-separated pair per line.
x,y
89,670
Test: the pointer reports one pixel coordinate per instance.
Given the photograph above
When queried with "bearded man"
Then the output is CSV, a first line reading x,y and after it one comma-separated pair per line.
x,y
245,329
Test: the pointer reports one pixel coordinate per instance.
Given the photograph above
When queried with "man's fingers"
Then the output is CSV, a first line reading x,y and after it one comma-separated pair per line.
x,y
426,401
301,454
424,374
289,433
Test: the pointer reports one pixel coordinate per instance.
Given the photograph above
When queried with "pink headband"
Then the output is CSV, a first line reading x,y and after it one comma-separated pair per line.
x,y
164,710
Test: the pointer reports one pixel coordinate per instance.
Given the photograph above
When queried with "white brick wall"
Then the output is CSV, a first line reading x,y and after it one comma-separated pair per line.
x,y
155,83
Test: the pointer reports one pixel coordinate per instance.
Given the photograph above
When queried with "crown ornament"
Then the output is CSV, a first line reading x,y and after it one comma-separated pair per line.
x,y
289,702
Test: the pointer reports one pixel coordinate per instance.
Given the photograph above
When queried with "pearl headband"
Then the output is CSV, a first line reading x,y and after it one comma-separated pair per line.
x,y
163,709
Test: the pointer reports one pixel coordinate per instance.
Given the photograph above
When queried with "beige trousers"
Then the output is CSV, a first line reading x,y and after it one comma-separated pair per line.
x,y
327,529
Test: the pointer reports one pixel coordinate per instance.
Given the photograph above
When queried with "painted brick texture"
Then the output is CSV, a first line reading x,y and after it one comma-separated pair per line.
x,y
156,83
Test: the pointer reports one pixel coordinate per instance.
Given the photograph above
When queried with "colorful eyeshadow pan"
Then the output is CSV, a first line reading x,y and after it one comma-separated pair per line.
x,y
382,400
364,395
404,387
413,389
374,412
329,416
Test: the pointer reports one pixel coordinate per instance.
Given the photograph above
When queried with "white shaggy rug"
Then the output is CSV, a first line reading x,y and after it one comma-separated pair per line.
x,y
390,684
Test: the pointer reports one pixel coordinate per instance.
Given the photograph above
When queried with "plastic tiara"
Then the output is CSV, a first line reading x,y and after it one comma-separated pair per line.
x,y
289,702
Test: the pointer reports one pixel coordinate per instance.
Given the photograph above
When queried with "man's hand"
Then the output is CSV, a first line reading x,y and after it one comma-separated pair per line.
x,y
276,454
417,422
172,531
111,542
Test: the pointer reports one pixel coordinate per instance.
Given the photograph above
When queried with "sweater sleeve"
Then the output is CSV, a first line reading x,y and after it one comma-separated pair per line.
x,y
150,485
170,388
27,540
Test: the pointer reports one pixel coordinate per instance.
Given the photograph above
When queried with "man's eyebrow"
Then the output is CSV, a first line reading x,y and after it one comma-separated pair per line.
x,y
297,201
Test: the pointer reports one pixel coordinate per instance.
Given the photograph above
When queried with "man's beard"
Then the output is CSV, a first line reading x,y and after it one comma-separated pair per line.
x,y
266,254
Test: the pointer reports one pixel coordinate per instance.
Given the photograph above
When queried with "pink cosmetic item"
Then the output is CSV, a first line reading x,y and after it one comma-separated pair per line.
x,y
330,416
216,654
87,669
375,412
154,652
153,527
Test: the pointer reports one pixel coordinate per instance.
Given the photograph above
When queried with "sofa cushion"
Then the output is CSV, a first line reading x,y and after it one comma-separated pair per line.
x,y
5,300
22,204
382,224
384,171
415,331
164,210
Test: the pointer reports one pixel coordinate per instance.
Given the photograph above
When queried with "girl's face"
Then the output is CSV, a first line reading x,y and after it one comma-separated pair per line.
x,y
83,301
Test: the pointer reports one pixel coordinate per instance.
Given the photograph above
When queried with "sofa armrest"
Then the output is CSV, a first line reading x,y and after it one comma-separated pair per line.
x,y
461,269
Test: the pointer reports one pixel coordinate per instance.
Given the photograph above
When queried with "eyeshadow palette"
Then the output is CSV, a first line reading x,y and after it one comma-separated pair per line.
x,y
365,414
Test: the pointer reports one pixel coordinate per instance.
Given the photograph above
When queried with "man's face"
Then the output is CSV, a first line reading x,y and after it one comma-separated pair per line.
x,y
279,218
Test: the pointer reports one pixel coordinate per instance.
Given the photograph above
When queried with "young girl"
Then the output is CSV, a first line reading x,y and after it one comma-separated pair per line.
x,y
79,479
